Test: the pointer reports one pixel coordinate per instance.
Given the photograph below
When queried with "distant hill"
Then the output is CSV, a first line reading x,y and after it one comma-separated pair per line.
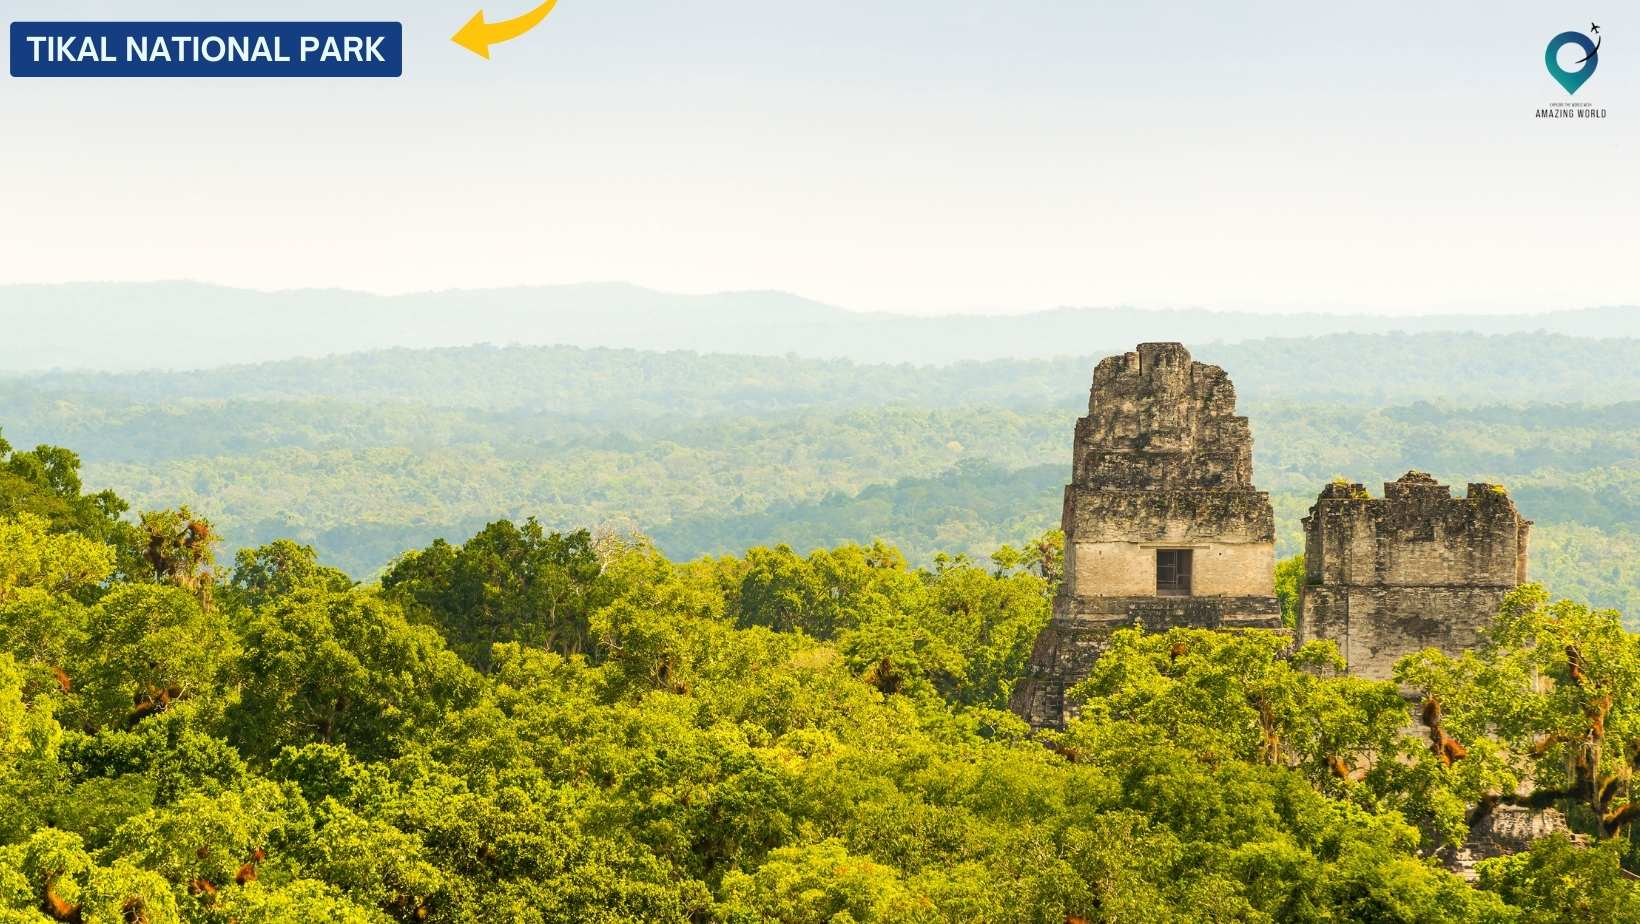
x,y
118,326
631,387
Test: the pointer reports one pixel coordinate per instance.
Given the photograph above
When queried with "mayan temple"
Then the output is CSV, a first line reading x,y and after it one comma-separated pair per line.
x,y
1163,526
1417,568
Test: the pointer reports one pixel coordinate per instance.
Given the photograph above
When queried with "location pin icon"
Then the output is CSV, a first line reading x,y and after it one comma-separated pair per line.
x,y
1571,80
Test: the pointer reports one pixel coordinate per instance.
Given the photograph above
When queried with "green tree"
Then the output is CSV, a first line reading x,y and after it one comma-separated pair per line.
x,y
821,883
29,742
341,667
46,483
44,577
1046,556
146,648
219,840
825,593
1556,880
1289,578
180,549
1237,696
991,622
1558,686
506,584
278,569
36,563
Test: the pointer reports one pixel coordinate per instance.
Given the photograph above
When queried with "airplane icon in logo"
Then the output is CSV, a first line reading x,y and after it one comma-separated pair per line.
x,y
1594,28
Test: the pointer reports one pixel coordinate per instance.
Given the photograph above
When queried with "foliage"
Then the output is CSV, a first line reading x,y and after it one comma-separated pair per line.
x,y
1559,684
1558,881
46,483
365,457
507,584
769,736
278,569
36,563
340,667
1289,578
146,648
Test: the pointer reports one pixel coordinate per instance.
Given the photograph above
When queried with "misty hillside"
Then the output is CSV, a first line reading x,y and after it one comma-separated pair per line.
x,y
628,385
190,325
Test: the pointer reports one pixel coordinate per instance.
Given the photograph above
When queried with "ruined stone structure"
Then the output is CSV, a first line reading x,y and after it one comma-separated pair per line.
x,y
1414,569
1163,526
1503,830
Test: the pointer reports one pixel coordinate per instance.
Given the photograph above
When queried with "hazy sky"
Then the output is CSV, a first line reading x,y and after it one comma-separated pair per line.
x,y
903,155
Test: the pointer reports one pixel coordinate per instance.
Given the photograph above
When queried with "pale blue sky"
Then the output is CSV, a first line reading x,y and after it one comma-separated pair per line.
x,y
909,156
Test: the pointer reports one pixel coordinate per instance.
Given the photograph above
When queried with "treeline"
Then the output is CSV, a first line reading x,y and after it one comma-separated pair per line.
x,y
364,483
617,385
364,456
537,726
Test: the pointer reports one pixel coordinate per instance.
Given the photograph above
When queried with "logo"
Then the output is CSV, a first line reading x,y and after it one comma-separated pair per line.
x,y
1572,80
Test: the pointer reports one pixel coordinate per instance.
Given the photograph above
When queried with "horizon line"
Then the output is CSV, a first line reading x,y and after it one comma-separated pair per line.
x,y
1125,305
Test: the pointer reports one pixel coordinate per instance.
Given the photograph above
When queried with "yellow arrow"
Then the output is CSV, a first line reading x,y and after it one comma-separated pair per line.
x,y
477,35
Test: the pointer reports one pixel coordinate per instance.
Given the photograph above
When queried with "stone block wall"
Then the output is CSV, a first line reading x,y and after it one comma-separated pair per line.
x,y
1161,461
1414,569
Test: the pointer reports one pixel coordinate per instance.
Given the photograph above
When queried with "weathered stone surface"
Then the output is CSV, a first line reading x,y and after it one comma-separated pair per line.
x,y
1414,569
1102,515
1501,831
1162,461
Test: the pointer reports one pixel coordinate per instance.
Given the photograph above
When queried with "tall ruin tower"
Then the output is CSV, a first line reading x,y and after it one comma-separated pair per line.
x,y
1417,568
1163,526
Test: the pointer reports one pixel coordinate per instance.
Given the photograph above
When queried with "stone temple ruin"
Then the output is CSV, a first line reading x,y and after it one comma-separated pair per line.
x,y
1417,568
1163,528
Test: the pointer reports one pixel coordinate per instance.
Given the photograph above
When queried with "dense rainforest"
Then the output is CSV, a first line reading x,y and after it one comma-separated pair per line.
x,y
528,725
364,456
